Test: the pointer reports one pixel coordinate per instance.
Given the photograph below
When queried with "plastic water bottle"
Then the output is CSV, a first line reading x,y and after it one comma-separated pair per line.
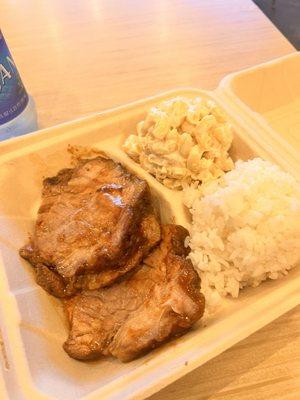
x,y
17,108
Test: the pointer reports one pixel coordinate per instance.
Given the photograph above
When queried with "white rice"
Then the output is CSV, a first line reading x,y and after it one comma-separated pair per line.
x,y
245,227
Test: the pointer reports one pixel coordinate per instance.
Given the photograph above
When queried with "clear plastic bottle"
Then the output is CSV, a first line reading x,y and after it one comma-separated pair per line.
x,y
17,108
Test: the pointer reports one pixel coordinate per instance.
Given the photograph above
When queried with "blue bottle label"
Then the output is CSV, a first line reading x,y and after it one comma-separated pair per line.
x,y
13,95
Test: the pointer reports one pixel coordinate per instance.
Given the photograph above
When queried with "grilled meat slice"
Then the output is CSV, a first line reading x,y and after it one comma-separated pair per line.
x,y
160,300
90,222
58,286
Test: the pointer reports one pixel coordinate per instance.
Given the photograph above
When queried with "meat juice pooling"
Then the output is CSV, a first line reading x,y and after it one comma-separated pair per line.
x,y
17,108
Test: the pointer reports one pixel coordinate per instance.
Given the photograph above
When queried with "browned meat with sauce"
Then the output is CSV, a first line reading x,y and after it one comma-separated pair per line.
x,y
95,223
97,244
61,287
160,300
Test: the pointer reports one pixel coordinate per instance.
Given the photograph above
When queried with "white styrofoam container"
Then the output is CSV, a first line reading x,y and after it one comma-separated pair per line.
x,y
268,97
32,322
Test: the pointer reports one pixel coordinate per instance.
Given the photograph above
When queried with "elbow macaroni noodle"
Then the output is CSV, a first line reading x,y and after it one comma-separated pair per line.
x,y
182,141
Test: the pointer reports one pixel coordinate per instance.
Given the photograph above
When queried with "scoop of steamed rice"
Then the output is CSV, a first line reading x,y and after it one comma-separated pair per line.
x,y
245,227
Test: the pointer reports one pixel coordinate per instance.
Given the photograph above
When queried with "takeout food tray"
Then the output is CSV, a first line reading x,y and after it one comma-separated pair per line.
x,y
268,97
33,327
